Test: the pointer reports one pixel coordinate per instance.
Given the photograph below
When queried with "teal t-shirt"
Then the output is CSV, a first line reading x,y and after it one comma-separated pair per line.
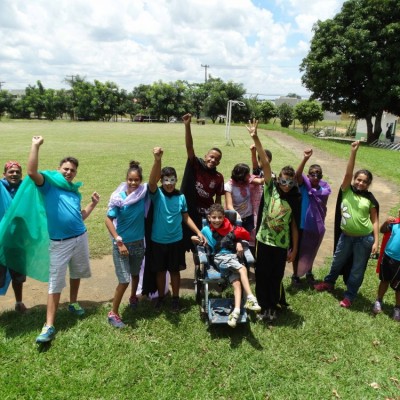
x,y
276,216
130,220
167,217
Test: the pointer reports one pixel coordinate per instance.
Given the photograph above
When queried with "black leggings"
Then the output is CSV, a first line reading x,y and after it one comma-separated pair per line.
x,y
270,269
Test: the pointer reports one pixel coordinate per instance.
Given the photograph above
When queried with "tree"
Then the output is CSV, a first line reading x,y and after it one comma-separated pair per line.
x,y
6,101
285,113
353,64
266,111
308,112
219,94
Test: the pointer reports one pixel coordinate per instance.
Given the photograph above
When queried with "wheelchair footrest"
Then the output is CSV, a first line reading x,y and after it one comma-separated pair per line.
x,y
219,310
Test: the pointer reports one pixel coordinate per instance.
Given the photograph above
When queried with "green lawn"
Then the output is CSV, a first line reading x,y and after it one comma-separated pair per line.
x,y
315,351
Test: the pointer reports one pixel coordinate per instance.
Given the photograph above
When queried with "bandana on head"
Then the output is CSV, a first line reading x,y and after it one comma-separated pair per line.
x,y
10,164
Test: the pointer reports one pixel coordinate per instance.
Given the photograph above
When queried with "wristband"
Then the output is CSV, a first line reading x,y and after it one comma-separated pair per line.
x,y
118,241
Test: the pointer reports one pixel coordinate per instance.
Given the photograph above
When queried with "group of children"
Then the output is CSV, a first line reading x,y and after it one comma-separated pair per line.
x,y
282,216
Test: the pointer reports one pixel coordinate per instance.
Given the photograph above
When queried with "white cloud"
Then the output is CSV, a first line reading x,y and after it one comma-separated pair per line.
x,y
136,41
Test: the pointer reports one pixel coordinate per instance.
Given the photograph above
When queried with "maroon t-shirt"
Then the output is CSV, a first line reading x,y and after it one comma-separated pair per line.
x,y
209,183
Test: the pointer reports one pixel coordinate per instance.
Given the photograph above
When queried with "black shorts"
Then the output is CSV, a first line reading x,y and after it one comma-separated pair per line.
x,y
390,272
168,257
15,276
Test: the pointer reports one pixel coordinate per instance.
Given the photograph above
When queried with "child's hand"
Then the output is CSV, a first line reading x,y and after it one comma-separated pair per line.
x,y
291,255
307,153
95,198
187,119
37,140
252,127
253,148
158,153
355,145
239,249
390,220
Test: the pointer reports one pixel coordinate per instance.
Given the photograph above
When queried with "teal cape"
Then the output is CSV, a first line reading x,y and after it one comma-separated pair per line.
x,y
24,237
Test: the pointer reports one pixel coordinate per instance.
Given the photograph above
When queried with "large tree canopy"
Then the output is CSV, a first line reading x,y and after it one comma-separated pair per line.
x,y
354,61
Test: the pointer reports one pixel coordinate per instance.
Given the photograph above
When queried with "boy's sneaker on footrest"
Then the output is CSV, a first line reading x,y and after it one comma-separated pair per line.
x,y
252,304
232,319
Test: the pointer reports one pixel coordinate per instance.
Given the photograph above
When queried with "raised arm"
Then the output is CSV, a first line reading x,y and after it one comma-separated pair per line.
x,y
252,128
155,173
187,119
299,172
350,165
254,162
33,161
91,206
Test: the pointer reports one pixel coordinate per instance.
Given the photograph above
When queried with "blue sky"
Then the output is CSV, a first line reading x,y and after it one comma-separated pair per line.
x,y
258,43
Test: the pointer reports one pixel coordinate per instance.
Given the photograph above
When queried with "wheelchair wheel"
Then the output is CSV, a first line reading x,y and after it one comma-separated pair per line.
x,y
199,283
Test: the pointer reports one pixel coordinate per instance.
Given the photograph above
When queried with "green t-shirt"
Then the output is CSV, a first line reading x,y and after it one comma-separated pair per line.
x,y
355,210
276,216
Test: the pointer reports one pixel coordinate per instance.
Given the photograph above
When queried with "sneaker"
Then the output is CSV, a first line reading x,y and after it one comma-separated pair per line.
x,y
310,279
323,286
175,305
262,316
76,309
271,315
20,307
47,334
345,303
396,314
295,281
252,304
159,303
377,308
115,320
133,302
232,319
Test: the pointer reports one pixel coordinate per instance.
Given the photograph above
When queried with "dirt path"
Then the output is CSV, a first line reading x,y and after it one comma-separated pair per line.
x,y
101,286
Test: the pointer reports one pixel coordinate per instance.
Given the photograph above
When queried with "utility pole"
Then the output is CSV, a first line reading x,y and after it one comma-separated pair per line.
x,y
1,84
205,71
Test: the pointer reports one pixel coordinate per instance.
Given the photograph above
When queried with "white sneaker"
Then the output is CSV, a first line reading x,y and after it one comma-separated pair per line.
x,y
377,307
396,314
252,304
232,319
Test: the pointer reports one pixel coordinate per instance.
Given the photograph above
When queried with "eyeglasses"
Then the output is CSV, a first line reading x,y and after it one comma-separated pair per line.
x,y
316,175
169,181
286,182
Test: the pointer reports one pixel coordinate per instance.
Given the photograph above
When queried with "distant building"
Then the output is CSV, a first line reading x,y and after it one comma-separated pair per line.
x,y
17,93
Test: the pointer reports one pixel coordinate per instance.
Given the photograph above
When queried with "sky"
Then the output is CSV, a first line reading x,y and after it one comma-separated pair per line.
x,y
259,43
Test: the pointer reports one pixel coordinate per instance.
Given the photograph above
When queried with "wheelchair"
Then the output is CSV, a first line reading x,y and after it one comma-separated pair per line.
x,y
216,310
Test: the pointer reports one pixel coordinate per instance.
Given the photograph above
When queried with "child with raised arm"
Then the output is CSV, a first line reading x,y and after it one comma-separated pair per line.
x,y
67,232
170,209
202,184
357,219
125,222
224,241
277,236
314,197
389,266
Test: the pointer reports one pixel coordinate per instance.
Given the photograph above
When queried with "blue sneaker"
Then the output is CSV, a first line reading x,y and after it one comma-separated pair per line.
x,y
115,320
76,309
47,334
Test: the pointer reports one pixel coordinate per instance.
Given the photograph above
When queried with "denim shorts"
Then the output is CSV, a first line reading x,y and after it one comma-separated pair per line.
x,y
125,266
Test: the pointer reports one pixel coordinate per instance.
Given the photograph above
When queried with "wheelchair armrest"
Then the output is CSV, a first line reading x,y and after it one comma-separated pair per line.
x,y
202,253
248,255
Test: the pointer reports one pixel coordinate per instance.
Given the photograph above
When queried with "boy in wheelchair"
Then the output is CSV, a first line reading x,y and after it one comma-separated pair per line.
x,y
224,241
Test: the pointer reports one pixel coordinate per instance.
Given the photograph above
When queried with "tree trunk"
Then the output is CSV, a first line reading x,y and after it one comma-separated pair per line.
x,y
378,125
368,121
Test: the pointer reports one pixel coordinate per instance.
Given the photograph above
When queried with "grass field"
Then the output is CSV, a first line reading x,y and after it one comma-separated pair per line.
x,y
316,350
